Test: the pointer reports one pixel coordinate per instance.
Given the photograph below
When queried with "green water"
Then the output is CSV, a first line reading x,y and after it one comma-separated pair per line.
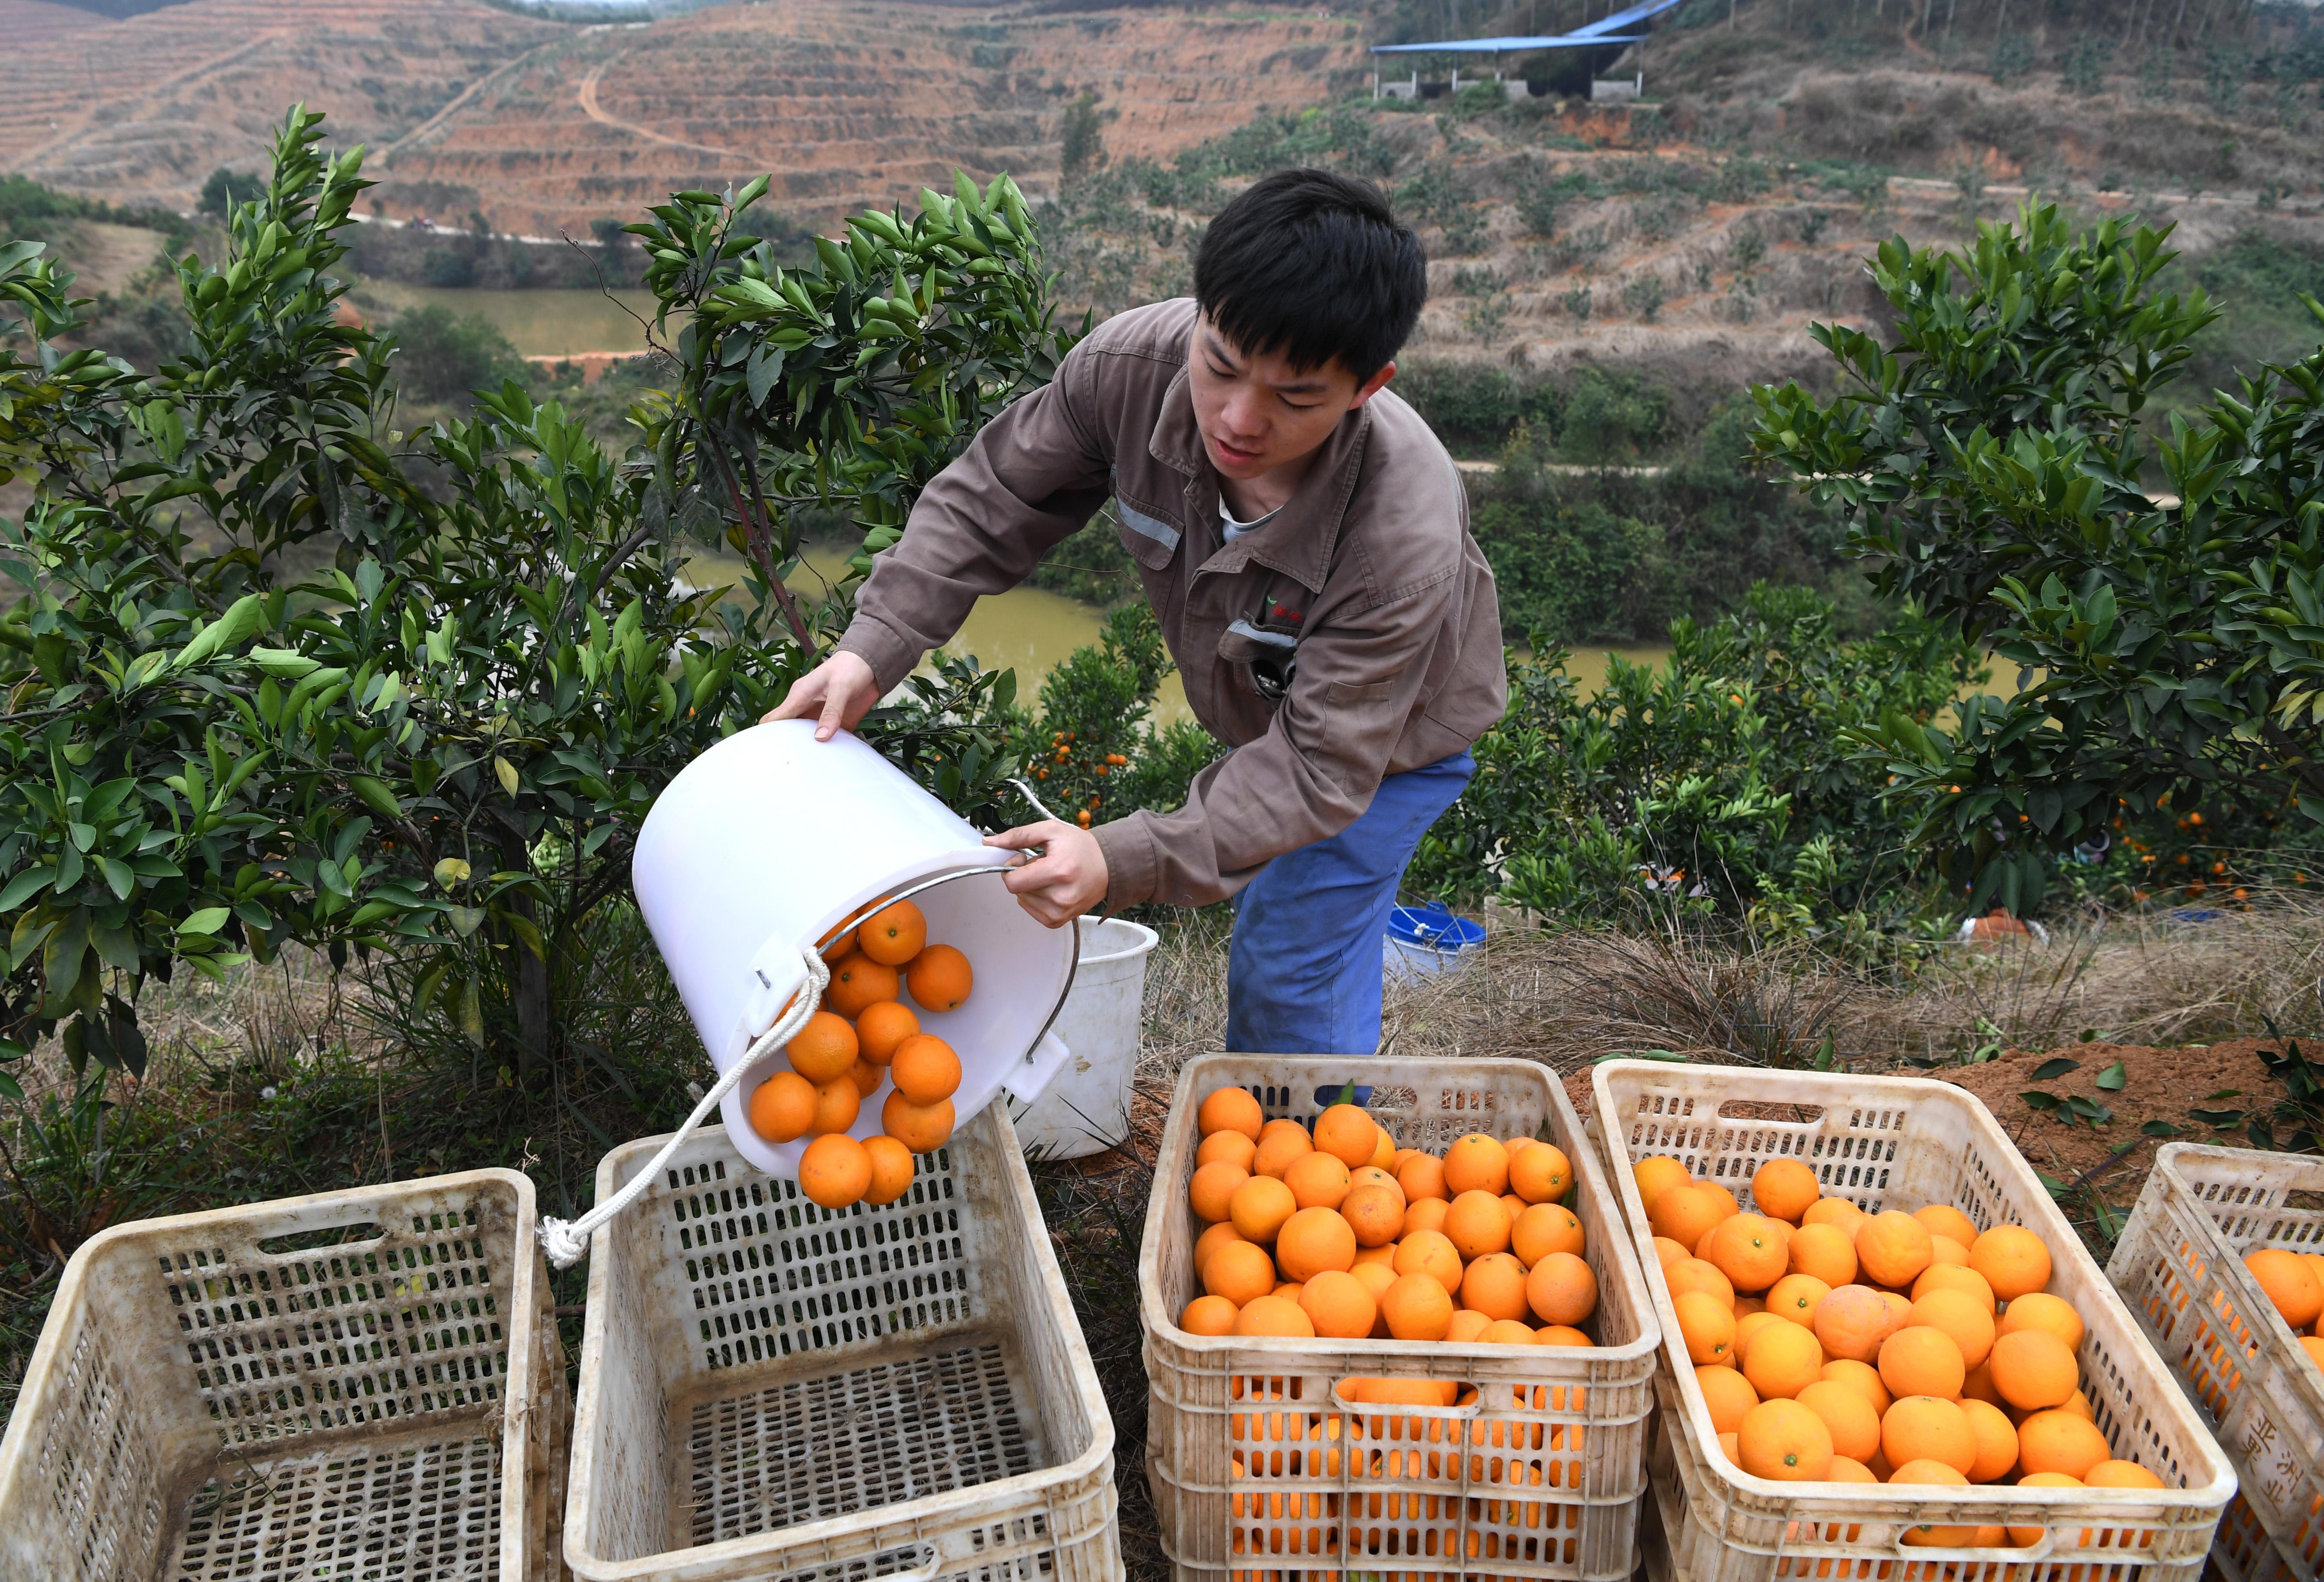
x,y
539,322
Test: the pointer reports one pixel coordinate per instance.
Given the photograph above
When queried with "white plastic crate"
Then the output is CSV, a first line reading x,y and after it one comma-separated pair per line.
x,y
363,1384
1549,1487
1884,1142
769,1389
2180,1264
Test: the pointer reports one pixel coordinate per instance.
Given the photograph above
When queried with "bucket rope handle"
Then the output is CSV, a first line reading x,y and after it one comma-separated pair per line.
x,y
567,1243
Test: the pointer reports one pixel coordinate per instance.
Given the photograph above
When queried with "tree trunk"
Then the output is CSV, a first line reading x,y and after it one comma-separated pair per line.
x,y
528,992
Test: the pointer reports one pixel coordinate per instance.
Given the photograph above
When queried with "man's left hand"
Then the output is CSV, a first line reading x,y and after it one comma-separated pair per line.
x,y
1066,881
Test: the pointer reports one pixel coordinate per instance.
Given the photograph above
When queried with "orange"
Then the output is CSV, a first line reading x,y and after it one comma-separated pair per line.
x,y
1668,1252
1541,1173
1853,1322
1783,1441
1281,1123
2038,1310
1861,1377
1417,1307
1560,1335
835,1170
925,1068
1208,1315
1978,1385
1924,1428
1854,1426
1477,1223
1241,1272
1747,1325
1725,1198
1281,1148
1340,1306
892,935
891,1171
1656,1174
1495,1285
1562,1289
1384,1149
2060,1442
1544,1228
1373,1175
1834,1212
837,1105
1943,1472
1825,1251
1231,1146
1796,1297
1515,1204
1996,1441
1318,1180
1422,1176
1686,1214
921,1128
866,1076
1961,1316
1506,1332
1921,1359
1375,1213
2079,1405
1430,1253
939,979
1274,1315
2011,1259
1846,1469
1750,1249
1374,1277
1700,1274
1707,1325
2120,1474
1209,1242
1941,1220
1727,1448
823,1049
857,984
1423,1214
1728,1395
1229,1110
2027,1537
1313,1241
1212,1187
2314,1348
1476,1163
783,1107
1892,1249
1260,1208
2033,1369
1954,1278
1783,1360
1949,1253
2287,1282
1345,1132
1783,1189
1468,1326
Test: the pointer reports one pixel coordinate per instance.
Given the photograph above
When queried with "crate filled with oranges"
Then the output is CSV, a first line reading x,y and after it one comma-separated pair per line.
x,y
1887,1344
2221,1262
1393,1324
863,1040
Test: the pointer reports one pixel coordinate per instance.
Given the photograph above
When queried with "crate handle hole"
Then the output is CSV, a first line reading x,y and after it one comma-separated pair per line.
x,y
333,1235
1746,1109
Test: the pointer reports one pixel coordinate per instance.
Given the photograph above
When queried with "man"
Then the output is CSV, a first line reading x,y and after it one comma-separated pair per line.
x,y
1304,539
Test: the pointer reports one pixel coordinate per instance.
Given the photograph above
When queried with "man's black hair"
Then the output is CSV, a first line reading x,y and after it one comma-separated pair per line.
x,y
1312,264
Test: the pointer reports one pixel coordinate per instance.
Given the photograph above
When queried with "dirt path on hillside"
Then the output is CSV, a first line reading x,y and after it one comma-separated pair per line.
x,y
590,108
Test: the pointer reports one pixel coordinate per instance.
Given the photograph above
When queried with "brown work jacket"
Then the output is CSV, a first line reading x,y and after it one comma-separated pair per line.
x,y
1354,635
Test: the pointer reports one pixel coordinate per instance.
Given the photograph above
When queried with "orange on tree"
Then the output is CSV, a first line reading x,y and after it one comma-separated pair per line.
x,y
1417,1307
1240,1271
1544,1228
1375,1213
823,1049
1785,1188
1274,1315
1656,1174
858,983
1853,1322
1918,1427
1541,1173
1313,1241
1892,1249
1796,1297
1996,1441
1824,1252
1232,1147
1339,1306
2011,1259
1961,1316
1476,1163
1562,1289
1478,1223
1784,1442
2287,1282
836,1103
783,1108
1707,1326
1921,1360
1318,1180
892,935
2060,1442
1229,1110
921,1128
1208,1315
2033,1369
836,1170
939,979
1348,1134
2038,1310
1210,1189
1782,1360
1727,1394
1260,1208
1495,1285
1854,1426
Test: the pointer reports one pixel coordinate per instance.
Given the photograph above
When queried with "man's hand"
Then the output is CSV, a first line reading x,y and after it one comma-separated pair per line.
x,y
839,692
1068,881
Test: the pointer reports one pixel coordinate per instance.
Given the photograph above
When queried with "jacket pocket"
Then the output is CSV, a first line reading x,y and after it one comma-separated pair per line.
x,y
1152,542
1340,694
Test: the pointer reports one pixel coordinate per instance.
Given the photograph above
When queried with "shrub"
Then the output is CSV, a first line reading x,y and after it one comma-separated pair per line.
x,y
1095,756
444,357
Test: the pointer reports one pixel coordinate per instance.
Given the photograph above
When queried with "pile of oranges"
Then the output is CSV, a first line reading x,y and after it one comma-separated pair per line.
x,y
862,1038
1836,1346
1342,1234
2295,1282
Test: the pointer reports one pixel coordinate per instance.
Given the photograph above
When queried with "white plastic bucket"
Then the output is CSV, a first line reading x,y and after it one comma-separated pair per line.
x,y
1085,1109
770,840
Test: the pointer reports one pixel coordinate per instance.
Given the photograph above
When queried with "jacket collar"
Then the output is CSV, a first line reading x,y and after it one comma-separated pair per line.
x,y
1300,541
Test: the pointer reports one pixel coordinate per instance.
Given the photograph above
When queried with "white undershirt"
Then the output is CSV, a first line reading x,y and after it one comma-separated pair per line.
x,y
1234,529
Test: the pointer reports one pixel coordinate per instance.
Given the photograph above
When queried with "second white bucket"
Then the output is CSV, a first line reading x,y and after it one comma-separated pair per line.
x,y
1086,1108
770,841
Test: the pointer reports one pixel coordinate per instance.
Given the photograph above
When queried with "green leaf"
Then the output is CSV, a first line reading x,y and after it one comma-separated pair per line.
x,y
507,772
208,921
2050,1071
451,873
2114,1079
27,884
2161,1128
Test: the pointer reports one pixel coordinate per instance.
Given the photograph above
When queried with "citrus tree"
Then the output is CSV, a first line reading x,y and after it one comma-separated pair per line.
x,y
1993,457
277,671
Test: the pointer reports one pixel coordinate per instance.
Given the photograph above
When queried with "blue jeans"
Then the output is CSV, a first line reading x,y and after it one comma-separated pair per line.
x,y
1303,972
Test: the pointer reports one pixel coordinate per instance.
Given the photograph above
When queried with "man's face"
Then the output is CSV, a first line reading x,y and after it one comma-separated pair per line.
x,y
1257,412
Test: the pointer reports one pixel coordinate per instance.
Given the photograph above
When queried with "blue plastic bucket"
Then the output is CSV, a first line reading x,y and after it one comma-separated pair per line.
x,y
1429,939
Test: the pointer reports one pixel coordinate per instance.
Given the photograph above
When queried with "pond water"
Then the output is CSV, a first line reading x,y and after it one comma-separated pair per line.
x,y
539,322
